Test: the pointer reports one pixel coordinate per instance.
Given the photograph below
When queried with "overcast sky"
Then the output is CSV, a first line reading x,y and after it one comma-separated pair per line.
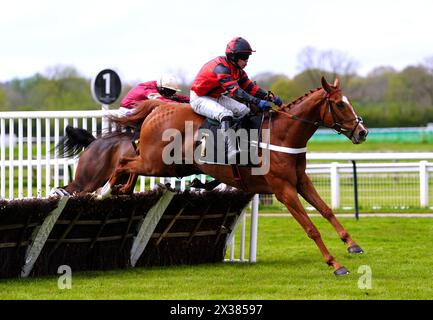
x,y
141,39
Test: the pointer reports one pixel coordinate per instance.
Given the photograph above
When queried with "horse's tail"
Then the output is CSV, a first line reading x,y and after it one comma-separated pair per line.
x,y
73,142
136,118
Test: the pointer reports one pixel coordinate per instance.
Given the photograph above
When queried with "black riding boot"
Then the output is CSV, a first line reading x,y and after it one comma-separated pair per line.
x,y
230,140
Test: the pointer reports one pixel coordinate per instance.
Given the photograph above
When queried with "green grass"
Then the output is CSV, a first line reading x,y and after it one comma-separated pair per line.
x,y
289,266
367,146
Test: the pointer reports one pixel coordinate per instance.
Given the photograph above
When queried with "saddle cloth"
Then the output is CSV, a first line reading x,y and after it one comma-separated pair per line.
x,y
211,142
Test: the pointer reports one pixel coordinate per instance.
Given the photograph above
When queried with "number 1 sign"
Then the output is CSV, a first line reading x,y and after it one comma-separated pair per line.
x,y
106,86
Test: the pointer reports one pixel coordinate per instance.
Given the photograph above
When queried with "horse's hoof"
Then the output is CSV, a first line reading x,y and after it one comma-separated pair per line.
x,y
342,271
102,196
104,192
355,249
58,192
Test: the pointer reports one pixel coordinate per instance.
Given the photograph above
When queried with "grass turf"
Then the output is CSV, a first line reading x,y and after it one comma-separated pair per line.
x,y
289,266
368,146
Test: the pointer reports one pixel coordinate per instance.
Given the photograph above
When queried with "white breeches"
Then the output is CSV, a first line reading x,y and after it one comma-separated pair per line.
x,y
217,108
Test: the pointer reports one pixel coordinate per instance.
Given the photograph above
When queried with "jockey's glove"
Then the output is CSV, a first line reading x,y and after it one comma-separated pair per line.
x,y
264,105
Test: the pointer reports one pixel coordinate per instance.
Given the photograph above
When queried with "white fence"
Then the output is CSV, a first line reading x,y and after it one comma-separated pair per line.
x,y
420,170
32,168
29,167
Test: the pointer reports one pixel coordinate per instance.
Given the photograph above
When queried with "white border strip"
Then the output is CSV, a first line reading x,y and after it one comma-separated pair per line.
x,y
279,149
148,225
41,237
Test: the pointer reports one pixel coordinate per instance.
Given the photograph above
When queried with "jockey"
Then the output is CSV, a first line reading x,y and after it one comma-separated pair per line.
x,y
165,89
220,81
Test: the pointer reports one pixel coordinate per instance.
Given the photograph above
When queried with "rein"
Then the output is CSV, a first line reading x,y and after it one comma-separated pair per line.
x,y
336,125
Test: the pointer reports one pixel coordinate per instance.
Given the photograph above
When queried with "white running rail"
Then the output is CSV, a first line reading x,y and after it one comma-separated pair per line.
x,y
30,168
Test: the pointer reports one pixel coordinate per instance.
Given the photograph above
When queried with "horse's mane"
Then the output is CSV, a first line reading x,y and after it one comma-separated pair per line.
x,y
141,110
297,100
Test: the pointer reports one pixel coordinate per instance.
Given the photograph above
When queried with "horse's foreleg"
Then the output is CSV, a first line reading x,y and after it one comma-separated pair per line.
x,y
128,188
307,190
133,166
289,197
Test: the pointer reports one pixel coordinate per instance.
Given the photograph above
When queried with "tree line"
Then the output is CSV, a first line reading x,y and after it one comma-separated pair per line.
x,y
384,98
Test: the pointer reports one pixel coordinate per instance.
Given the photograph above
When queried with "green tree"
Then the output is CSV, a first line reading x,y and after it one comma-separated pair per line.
x,y
4,102
62,89
287,89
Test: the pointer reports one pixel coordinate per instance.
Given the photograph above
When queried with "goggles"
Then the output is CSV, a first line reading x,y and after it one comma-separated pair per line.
x,y
167,92
243,55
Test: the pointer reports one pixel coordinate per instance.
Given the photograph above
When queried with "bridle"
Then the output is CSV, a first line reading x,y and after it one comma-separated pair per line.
x,y
336,124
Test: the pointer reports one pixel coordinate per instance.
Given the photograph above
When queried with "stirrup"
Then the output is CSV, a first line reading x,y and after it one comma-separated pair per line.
x,y
232,153
231,149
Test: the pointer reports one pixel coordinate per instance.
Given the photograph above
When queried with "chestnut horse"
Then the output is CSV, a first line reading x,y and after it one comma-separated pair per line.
x,y
291,126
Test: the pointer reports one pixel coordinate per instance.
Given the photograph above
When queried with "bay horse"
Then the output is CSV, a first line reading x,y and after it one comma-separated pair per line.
x,y
98,160
291,126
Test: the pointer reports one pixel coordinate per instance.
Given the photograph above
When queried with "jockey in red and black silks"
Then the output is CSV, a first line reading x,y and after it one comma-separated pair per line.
x,y
220,75
226,75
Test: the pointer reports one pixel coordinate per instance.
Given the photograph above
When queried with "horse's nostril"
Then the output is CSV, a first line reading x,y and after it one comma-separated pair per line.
x,y
362,133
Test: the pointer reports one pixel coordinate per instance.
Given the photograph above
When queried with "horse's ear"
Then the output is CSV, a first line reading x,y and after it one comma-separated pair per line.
x,y
325,85
336,82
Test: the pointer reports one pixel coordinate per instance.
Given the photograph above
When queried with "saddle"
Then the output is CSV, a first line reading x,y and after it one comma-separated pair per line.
x,y
212,147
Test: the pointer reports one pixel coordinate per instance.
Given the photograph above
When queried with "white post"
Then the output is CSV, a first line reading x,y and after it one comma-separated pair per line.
x,y
183,184
20,158
104,120
335,186
11,158
152,183
3,158
232,248
173,183
38,158
242,244
423,184
65,163
84,123
29,158
143,183
253,229
56,156
47,156
94,126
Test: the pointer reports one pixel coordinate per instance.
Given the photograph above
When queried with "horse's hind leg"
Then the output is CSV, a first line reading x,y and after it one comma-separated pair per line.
x,y
127,165
288,196
308,192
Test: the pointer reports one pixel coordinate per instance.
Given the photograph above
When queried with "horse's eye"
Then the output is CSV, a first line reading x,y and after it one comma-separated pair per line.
x,y
340,104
